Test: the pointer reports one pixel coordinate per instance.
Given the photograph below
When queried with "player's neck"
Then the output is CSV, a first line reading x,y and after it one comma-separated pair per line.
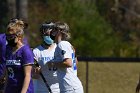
x,y
50,47
17,47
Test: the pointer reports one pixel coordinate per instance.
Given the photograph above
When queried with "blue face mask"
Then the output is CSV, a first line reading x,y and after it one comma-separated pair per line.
x,y
48,40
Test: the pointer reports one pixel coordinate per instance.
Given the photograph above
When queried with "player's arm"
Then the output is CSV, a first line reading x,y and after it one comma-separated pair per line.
x,y
36,67
27,78
67,55
67,62
36,71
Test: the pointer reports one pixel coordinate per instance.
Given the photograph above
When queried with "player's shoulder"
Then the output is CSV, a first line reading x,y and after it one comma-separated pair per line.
x,y
38,48
2,36
26,47
55,45
64,43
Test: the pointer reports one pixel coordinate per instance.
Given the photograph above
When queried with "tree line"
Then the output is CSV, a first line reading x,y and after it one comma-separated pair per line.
x,y
98,27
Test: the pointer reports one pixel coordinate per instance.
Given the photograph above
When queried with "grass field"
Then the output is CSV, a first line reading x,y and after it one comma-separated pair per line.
x,y
121,77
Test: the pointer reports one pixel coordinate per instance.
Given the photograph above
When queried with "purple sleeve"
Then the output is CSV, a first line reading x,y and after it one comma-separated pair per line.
x,y
28,57
2,47
0,50
0,56
2,64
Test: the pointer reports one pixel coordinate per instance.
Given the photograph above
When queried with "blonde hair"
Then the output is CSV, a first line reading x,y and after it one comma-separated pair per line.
x,y
64,29
17,25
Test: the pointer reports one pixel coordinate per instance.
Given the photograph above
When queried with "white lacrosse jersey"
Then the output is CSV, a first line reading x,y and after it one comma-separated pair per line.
x,y
67,77
43,56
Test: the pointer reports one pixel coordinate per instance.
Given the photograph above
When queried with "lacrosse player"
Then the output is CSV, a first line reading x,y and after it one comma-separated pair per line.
x,y
19,59
43,54
65,61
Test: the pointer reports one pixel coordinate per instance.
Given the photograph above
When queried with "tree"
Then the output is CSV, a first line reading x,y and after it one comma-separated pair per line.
x,y
3,15
124,16
11,8
22,9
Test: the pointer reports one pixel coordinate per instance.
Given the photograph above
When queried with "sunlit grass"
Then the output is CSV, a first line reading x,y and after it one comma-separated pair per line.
x,y
110,77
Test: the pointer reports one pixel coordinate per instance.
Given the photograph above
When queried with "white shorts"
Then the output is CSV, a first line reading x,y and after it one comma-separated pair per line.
x,y
35,83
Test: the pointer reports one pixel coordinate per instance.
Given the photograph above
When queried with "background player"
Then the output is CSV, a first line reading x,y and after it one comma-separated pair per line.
x,y
2,57
43,54
19,60
64,60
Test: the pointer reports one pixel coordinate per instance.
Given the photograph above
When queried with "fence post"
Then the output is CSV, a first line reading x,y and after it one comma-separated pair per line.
x,y
87,73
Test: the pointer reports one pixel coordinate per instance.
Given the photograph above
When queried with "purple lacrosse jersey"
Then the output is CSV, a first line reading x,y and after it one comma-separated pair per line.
x,y
15,63
2,53
3,50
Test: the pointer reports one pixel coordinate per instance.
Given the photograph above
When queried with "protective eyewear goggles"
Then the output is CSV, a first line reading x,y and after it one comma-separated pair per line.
x,y
46,32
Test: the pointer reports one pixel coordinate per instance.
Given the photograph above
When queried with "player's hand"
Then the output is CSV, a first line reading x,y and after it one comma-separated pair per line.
x,y
36,72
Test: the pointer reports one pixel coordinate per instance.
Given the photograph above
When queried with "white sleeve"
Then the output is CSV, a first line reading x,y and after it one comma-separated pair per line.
x,y
66,50
35,52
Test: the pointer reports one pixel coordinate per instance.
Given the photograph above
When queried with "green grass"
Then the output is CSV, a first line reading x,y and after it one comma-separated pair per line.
x,y
110,77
